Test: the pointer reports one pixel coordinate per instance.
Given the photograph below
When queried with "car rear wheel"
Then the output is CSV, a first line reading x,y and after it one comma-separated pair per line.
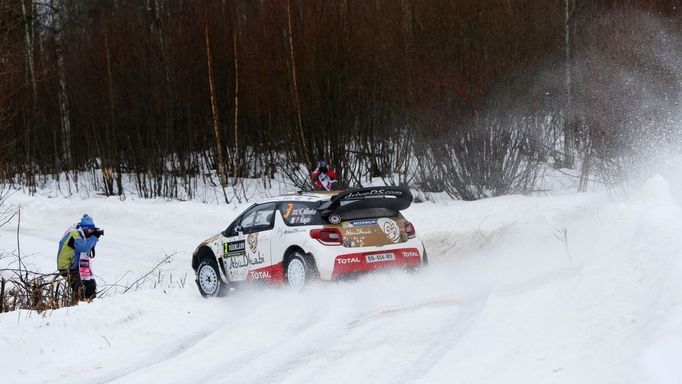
x,y
300,271
208,279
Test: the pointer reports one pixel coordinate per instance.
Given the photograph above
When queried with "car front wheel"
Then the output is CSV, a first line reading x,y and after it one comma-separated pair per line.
x,y
300,271
208,279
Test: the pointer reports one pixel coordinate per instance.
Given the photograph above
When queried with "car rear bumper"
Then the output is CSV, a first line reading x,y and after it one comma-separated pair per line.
x,y
369,261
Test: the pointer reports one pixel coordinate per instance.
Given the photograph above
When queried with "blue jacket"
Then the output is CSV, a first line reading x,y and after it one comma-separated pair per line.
x,y
72,244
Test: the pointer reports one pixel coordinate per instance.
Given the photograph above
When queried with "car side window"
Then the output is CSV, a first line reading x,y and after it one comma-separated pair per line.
x,y
258,218
298,213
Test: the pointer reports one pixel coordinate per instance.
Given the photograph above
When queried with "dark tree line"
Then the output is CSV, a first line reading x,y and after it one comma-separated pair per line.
x,y
465,96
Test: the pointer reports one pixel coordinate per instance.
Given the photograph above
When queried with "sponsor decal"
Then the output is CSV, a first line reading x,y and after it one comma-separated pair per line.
x,y
234,248
236,262
348,260
390,228
235,254
358,242
410,254
256,260
334,219
289,231
358,232
272,274
373,192
252,240
258,275
362,223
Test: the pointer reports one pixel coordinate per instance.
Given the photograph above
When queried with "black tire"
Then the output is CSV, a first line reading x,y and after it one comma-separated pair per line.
x,y
300,270
208,279
425,259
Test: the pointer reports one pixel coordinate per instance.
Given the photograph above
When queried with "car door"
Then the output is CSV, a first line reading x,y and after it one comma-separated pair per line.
x,y
246,250
233,251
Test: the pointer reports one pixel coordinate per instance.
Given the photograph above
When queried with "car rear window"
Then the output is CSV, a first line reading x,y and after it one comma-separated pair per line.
x,y
369,213
298,213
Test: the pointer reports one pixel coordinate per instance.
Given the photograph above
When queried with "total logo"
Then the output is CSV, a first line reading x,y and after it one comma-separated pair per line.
x,y
410,254
348,261
257,275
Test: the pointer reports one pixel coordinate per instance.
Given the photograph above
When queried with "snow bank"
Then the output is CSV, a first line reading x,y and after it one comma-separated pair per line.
x,y
561,289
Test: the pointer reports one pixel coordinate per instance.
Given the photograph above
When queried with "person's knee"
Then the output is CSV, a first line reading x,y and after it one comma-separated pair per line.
x,y
90,289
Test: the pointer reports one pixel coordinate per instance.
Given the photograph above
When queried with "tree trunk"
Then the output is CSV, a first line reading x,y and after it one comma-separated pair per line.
x,y
28,25
569,122
30,64
297,103
214,109
62,95
236,103
168,90
112,169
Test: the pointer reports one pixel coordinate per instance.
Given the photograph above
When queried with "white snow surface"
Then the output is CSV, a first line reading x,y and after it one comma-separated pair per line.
x,y
569,288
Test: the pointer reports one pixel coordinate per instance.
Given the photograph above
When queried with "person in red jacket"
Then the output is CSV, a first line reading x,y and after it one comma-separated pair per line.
x,y
324,178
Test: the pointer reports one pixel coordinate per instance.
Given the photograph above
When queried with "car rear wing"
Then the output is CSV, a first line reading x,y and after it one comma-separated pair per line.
x,y
395,198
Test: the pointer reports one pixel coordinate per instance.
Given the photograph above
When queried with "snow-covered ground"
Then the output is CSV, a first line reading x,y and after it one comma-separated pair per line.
x,y
569,288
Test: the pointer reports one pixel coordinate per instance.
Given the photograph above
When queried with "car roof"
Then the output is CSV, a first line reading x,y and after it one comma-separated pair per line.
x,y
302,196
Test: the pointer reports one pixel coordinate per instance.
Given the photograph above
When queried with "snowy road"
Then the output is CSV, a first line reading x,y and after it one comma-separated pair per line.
x,y
563,289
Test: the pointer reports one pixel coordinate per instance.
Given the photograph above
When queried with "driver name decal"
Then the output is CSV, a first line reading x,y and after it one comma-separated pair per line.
x,y
302,215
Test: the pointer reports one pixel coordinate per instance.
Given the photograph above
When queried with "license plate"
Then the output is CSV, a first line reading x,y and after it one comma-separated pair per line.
x,y
377,257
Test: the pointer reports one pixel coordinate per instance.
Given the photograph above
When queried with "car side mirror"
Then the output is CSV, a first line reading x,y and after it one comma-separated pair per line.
x,y
239,229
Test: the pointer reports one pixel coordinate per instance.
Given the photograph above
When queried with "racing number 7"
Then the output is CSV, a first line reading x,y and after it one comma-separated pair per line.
x,y
289,208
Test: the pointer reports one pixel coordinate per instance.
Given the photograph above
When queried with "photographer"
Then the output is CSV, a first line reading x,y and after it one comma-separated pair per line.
x,y
76,249
324,177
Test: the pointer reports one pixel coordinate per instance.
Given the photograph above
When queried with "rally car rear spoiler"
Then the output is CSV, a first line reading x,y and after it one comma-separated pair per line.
x,y
396,198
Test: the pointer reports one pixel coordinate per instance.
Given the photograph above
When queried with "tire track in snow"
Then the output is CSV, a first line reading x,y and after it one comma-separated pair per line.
x,y
452,331
173,350
401,310
274,362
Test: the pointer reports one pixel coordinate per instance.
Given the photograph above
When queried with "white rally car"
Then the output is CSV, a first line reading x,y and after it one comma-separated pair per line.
x,y
298,238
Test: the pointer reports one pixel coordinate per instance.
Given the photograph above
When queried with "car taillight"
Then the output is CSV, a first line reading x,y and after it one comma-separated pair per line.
x,y
327,236
409,229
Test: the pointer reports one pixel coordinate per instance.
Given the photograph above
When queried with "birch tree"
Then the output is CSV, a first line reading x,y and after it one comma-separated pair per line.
x,y
214,108
65,119
297,101
569,117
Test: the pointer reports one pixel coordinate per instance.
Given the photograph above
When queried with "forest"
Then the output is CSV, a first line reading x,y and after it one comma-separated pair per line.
x,y
467,97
